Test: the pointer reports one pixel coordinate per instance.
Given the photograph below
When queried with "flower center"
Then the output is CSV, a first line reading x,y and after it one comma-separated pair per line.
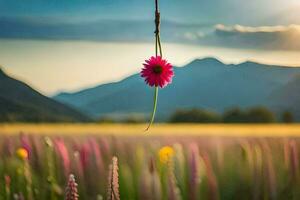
x,y
157,69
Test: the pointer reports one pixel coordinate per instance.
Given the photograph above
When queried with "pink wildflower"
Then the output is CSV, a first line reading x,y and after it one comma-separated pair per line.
x,y
157,72
71,190
85,151
64,154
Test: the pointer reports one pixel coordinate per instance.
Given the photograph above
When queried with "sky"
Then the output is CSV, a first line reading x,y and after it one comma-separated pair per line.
x,y
254,12
63,45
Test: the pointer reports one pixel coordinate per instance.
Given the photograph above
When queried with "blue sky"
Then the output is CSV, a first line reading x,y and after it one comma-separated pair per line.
x,y
254,12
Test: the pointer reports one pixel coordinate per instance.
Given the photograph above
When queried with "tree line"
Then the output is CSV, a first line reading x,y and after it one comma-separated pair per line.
x,y
233,115
195,115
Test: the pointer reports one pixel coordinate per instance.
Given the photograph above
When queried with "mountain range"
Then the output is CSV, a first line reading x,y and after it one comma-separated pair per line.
x,y
20,102
204,83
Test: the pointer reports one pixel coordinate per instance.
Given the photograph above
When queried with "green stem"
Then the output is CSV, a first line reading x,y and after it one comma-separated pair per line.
x,y
159,45
156,46
154,108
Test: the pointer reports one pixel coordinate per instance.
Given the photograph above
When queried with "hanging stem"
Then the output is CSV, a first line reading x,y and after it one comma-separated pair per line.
x,y
159,45
154,108
157,48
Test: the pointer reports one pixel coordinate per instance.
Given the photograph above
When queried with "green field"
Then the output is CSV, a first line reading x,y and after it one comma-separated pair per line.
x,y
118,161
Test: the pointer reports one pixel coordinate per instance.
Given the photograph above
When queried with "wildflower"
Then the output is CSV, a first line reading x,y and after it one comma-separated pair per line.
x,y
78,165
166,154
71,190
157,72
211,177
64,154
25,143
194,177
7,186
7,180
113,180
51,175
25,170
22,153
84,154
97,155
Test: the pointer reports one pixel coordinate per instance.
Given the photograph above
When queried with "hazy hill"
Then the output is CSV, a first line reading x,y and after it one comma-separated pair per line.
x,y
205,83
19,102
288,97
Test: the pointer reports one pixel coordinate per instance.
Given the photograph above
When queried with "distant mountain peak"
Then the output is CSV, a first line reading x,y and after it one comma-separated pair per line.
x,y
249,62
208,60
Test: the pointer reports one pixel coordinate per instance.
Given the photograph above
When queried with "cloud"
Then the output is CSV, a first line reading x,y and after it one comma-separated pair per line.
x,y
193,36
249,29
237,36
102,30
262,37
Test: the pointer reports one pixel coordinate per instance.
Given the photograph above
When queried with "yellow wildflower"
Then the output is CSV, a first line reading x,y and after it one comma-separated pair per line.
x,y
22,153
166,154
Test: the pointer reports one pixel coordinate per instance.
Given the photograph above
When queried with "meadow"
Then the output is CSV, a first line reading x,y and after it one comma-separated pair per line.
x,y
93,162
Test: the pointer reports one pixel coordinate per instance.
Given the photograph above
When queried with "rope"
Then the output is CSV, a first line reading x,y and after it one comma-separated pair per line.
x,y
157,30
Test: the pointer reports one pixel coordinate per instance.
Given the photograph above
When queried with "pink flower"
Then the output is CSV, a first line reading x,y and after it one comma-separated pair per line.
x,y
71,190
85,152
157,72
64,154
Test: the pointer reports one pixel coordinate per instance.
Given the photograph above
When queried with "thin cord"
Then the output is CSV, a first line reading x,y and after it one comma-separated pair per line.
x,y
156,5
157,30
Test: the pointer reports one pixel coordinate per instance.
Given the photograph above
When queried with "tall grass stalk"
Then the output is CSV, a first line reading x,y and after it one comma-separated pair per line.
x,y
113,180
194,178
51,178
212,179
180,170
71,192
